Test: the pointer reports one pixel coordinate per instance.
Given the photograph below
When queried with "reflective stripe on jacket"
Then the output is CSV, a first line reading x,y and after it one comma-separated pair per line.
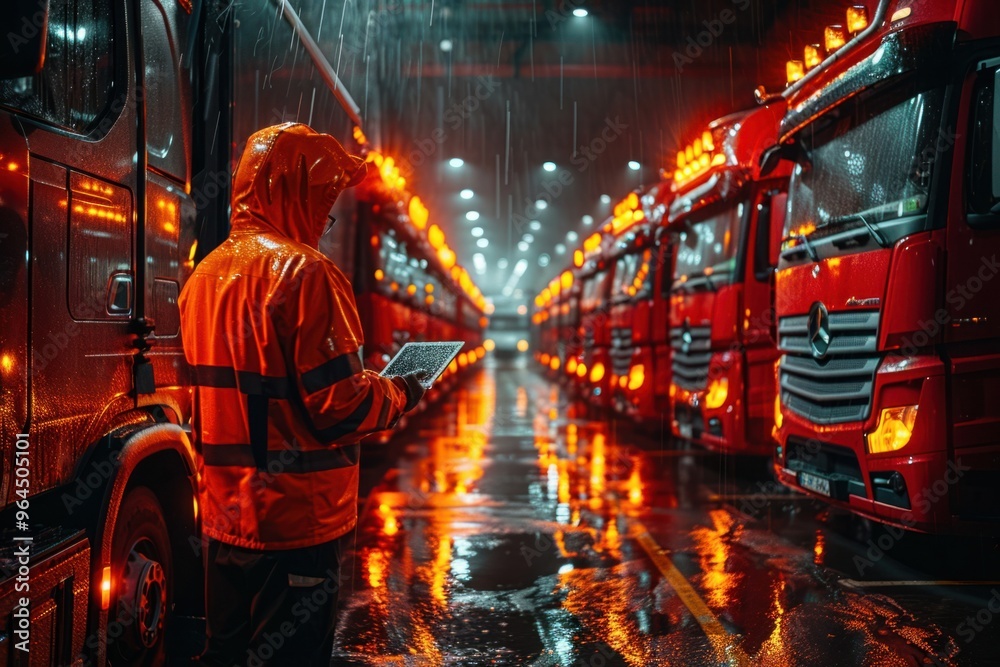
x,y
273,338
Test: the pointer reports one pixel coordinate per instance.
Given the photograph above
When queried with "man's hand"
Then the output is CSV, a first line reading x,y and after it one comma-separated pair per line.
x,y
414,389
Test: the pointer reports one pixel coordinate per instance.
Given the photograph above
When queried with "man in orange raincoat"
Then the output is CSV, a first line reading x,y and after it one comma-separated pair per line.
x,y
282,400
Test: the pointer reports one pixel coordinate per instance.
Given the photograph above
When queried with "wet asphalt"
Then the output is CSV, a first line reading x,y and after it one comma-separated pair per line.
x,y
512,526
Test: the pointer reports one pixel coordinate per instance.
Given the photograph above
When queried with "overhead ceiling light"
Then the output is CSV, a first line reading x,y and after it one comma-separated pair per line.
x,y
515,275
560,249
467,194
535,225
541,204
480,263
587,219
456,162
572,236
549,166
543,260
580,13
523,246
477,231
502,263
446,45
633,165
605,199
472,216
529,238
482,243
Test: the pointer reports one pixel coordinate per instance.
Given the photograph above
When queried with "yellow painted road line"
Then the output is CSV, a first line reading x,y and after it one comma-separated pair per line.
x,y
727,651
854,583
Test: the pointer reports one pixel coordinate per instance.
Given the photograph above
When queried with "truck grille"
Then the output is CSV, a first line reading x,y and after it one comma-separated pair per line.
x,y
838,387
692,353
621,350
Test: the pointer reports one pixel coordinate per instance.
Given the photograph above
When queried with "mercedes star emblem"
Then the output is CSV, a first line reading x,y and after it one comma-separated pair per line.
x,y
686,337
819,330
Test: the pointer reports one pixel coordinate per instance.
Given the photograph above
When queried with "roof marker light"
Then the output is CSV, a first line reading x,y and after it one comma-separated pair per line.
x,y
812,55
834,37
857,19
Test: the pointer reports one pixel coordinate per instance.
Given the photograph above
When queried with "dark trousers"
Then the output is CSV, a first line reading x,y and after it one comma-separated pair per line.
x,y
271,607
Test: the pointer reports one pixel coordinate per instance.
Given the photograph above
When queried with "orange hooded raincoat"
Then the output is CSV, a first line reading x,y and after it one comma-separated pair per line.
x,y
272,335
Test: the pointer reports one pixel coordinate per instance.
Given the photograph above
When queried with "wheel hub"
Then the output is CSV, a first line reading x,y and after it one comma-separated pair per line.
x,y
144,597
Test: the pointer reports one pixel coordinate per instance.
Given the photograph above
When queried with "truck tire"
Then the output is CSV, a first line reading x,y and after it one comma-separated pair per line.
x,y
142,582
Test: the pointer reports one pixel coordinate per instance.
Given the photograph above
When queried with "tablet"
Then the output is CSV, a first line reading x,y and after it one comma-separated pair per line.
x,y
432,358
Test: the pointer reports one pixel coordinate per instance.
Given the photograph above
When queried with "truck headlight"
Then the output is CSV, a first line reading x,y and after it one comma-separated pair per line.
x,y
597,373
636,377
895,426
718,390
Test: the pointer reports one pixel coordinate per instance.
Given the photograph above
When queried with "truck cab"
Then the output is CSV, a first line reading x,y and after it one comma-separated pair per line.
x,y
888,321
726,217
637,308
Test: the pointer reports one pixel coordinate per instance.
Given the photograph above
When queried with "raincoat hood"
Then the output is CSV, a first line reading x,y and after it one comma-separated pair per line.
x,y
288,179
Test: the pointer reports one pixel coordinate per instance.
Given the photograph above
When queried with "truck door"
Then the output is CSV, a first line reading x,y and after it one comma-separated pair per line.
x,y
972,317
169,234
76,117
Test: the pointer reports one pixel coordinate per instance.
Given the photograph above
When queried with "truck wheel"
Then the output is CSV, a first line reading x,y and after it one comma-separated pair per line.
x,y
142,588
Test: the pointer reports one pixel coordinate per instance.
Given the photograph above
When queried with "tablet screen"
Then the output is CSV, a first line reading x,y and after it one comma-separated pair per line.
x,y
431,358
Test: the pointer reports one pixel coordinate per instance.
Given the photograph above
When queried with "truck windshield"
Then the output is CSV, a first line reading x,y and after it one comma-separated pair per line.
x,y
706,251
632,276
869,163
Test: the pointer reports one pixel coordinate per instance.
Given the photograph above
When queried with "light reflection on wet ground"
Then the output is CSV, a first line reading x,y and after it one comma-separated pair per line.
x,y
513,531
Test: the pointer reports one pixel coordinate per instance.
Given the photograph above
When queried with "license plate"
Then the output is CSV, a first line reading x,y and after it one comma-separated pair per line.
x,y
686,430
815,483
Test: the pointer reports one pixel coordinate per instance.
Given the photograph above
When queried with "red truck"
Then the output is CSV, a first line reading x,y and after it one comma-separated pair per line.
x,y
888,316
407,283
638,307
727,219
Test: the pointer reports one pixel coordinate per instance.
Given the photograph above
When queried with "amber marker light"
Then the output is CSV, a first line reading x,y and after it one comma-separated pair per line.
x,y
794,71
834,37
106,588
857,19
812,55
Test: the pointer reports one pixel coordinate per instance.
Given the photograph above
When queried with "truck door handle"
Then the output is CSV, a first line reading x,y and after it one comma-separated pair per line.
x,y
120,294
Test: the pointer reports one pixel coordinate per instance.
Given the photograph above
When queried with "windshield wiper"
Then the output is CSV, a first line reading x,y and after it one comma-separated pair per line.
x,y
807,244
688,287
875,233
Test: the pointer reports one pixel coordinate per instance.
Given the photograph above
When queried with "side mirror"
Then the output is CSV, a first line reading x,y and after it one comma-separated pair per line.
x,y
777,222
22,51
770,158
